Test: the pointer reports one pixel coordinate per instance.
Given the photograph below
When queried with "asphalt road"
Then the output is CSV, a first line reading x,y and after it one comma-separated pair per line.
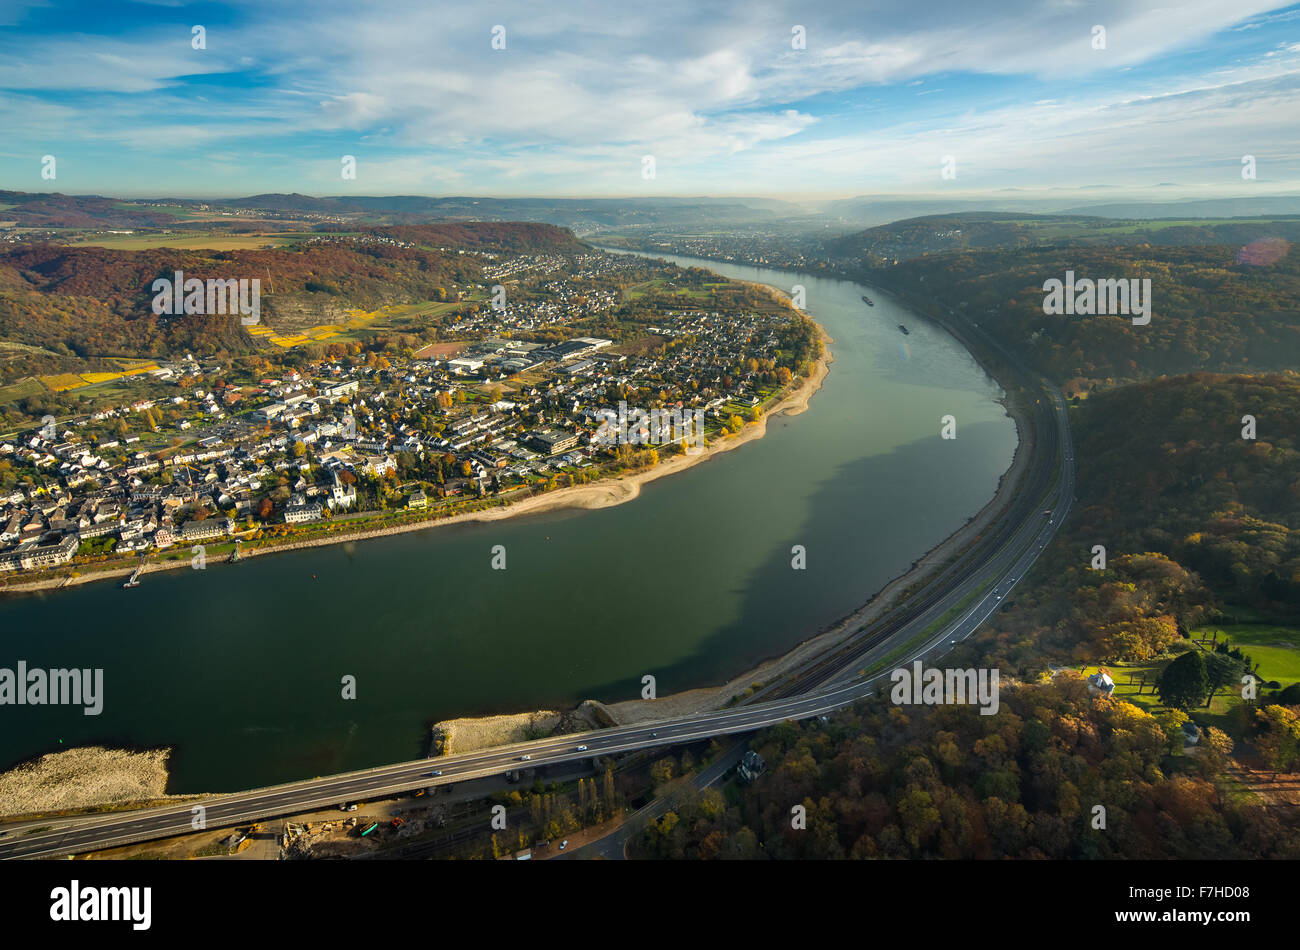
x,y
1001,572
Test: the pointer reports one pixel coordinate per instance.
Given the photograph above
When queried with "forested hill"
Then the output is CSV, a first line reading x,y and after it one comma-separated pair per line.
x,y
87,302
1221,307
975,230
1196,524
518,237
1194,519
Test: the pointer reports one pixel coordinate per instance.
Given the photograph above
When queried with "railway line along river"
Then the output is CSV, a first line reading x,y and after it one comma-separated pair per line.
x,y
238,668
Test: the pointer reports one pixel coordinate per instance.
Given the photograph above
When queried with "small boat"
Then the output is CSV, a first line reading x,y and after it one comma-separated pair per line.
x,y
905,329
867,300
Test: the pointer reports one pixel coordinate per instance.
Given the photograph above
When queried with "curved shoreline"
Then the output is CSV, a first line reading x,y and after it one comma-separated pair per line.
x,y
614,491
604,493
706,698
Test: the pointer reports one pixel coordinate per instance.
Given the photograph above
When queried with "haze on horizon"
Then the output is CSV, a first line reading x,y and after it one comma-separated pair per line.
x,y
722,98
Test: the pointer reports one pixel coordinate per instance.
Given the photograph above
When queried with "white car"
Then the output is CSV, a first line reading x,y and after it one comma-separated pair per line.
x,y
582,748
525,758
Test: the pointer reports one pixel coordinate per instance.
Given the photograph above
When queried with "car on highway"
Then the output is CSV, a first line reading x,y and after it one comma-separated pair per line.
x,y
582,748
525,758
654,735
435,773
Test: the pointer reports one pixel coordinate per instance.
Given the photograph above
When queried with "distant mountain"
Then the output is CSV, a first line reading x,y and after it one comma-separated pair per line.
x,y
578,213
939,234
54,210
29,210
515,236
1207,208
872,210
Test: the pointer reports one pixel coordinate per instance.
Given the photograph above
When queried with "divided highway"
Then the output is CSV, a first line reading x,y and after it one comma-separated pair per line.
x,y
830,686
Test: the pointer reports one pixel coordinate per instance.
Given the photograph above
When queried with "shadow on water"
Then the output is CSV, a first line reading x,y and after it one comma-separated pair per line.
x,y
849,563
240,668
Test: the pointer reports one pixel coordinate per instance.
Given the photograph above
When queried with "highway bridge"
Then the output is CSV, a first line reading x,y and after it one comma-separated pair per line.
x,y
977,581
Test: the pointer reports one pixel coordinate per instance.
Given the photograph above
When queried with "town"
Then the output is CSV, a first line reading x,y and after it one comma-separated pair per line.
x,y
356,439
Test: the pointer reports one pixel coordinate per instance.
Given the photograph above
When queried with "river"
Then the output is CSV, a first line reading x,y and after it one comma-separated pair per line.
x,y
239,668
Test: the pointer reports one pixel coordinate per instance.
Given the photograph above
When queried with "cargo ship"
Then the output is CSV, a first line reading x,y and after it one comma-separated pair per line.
x,y
905,330
867,300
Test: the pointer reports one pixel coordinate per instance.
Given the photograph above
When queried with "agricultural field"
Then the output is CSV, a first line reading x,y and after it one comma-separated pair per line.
x,y
396,317
188,240
665,286
115,392
176,211
62,382
21,389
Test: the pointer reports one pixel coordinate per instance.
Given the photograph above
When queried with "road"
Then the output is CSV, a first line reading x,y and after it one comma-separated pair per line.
x,y
826,686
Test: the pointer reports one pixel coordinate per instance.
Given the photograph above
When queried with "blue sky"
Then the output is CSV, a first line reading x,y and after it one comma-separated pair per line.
x,y
1014,91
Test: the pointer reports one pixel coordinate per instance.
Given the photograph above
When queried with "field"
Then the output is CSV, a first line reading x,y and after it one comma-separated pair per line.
x,y
190,240
21,390
665,286
439,351
357,323
119,390
62,382
1276,649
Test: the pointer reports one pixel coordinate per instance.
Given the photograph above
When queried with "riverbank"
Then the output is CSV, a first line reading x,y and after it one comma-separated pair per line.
x,y
472,682
84,778
604,493
704,699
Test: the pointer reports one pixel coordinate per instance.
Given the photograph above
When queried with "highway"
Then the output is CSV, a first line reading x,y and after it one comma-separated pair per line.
x,y
979,582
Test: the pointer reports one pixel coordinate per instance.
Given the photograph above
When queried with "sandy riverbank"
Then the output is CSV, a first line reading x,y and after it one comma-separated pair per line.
x,y
600,494
112,779
84,778
704,699
91,776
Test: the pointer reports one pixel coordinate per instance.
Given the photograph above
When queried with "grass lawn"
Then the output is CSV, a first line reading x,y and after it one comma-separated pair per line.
x,y
1216,714
1275,648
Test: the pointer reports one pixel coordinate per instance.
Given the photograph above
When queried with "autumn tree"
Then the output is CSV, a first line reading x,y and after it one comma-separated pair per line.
x,y
1277,736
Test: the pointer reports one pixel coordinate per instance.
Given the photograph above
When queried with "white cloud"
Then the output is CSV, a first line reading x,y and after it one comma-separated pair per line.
x,y
717,95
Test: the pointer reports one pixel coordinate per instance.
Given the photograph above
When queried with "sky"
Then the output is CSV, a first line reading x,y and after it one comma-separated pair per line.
x,y
800,100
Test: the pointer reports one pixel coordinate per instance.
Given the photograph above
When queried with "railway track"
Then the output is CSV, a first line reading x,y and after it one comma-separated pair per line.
x,y
1035,482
